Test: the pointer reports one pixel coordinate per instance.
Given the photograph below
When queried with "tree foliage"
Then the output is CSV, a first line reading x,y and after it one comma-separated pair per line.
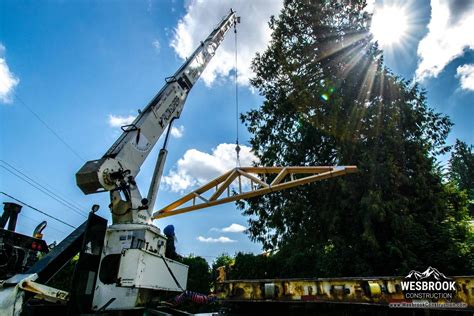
x,y
462,170
222,260
225,261
199,274
328,100
63,279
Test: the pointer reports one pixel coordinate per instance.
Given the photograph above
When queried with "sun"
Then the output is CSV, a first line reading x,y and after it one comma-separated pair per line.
x,y
389,25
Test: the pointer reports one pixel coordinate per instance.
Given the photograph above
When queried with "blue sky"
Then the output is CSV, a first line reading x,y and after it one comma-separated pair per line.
x,y
85,67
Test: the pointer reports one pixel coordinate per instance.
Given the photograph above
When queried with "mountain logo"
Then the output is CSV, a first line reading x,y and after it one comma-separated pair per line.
x,y
430,274
430,284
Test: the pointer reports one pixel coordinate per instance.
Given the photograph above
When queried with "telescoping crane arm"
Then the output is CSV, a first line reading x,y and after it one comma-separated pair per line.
x,y
116,170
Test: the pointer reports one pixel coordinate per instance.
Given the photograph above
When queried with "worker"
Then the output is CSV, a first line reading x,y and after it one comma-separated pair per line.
x,y
170,246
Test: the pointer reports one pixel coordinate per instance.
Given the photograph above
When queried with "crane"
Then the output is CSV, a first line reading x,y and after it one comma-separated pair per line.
x,y
133,261
123,266
116,171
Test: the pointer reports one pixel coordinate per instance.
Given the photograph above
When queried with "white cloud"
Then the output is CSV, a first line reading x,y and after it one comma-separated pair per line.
x,y
8,81
253,34
156,44
197,167
465,73
449,35
177,132
221,239
118,121
234,228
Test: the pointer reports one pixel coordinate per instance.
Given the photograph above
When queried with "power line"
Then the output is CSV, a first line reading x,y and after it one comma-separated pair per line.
x,y
49,127
69,202
38,221
30,226
45,191
49,226
38,210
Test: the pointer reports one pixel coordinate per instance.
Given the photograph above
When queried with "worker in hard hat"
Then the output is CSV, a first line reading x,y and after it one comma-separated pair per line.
x,y
170,242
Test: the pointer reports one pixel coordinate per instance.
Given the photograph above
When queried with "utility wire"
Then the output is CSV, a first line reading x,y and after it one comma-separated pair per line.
x,y
38,210
64,199
45,191
29,226
38,221
49,128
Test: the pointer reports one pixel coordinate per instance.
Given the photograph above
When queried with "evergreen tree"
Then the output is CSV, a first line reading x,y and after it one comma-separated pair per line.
x,y
330,101
462,170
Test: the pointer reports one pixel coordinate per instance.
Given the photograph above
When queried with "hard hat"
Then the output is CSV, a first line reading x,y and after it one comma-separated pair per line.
x,y
169,230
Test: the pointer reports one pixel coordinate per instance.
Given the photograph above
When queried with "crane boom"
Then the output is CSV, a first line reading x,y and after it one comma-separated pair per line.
x,y
116,170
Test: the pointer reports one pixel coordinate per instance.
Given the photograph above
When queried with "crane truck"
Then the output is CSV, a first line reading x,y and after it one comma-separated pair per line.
x,y
122,268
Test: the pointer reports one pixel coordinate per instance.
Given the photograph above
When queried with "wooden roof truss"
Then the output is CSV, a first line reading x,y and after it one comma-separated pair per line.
x,y
247,182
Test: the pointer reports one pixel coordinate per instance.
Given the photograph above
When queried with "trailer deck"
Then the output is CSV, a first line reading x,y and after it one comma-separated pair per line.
x,y
376,291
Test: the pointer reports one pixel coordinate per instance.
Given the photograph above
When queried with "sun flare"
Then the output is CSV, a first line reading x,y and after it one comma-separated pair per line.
x,y
389,25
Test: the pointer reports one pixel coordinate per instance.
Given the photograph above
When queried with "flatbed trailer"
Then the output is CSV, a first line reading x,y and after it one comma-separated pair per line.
x,y
368,291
